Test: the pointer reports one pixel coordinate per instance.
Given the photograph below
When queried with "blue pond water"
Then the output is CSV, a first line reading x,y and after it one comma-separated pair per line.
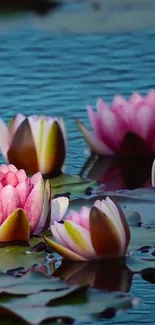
x,y
58,75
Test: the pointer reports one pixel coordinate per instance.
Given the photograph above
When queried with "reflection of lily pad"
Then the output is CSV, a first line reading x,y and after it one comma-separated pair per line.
x,y
17,256
72,185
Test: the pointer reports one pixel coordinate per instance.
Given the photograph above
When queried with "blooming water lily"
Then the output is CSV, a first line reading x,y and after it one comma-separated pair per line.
x,y
96,233
126,128
26,207
34,143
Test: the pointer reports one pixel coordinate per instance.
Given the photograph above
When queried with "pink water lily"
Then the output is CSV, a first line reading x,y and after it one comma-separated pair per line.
x,y
26,207
34,143
96,233
126,128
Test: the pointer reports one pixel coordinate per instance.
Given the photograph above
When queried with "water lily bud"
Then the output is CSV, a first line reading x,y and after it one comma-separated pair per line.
x,y
36,143
92,234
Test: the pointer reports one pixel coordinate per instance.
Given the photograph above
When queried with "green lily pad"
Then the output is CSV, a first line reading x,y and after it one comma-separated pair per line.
x,y
137,265
31,282
133,218
13,257
72,185
71,304
140,237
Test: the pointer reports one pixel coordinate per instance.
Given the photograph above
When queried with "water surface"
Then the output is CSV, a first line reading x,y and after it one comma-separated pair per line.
x,y
58,75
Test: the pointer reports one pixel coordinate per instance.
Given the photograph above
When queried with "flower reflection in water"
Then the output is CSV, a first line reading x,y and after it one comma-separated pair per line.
x,y
117,173
107,275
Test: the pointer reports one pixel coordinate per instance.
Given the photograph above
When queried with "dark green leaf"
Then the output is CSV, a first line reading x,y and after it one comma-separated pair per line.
x,y
141,236
12,257
87,307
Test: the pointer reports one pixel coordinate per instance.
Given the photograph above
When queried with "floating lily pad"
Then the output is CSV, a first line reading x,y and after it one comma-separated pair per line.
x,y
141,236
72,185
137,265
13,257
76,303
134,218
31,282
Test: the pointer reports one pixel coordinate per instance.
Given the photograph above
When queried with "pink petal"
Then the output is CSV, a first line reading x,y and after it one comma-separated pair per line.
x,y
1,176
23,189
118,102
9,201
96,145
58,208
84,217
12,168
112,213
77,246
5,139
113,128
4,168
65,252
36,178
153,174
126,114
55,231
18,120
113,207
149,100
98,204
92,117
63,129
96,123
74,216
34,204
101,104
143,122
45,209
21,175
136,99
10,178
40,128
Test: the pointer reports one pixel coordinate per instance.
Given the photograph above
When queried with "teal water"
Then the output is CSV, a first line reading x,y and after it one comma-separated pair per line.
x,y
58,75
44,73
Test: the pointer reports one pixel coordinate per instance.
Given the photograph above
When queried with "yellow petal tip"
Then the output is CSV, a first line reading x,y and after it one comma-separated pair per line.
x,y
15,227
